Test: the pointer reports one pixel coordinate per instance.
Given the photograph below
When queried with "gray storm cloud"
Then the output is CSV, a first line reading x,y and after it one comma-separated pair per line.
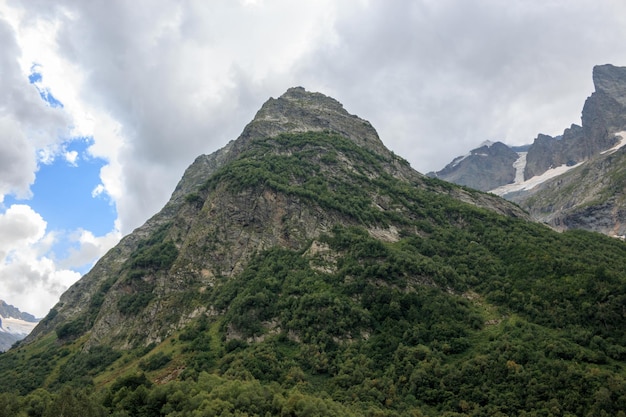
x,y
435,78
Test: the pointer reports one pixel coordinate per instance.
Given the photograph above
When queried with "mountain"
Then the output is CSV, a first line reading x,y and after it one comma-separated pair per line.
x,y
256,212
574,180
484,168
14,325
306,270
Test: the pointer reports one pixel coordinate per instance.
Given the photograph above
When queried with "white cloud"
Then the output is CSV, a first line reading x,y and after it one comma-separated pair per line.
x,y
90,248
17,159
27,278
34,284
98,190
71,157
20,227
164,83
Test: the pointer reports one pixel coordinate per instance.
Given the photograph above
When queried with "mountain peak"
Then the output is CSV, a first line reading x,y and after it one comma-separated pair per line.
x,y
611,80
299,110
295,111
301,94
302,166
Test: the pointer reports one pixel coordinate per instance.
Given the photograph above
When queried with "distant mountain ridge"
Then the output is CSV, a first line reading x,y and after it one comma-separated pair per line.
x,y
9,311
484,168
14,325
534,177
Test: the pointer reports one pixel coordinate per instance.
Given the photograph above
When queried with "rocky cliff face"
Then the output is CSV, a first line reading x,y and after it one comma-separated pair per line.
x,y
301,167
547,152
589,197
604,112
603,115
574,199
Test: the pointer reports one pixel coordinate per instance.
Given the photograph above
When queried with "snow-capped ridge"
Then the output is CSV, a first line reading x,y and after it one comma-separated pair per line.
x,y
15,325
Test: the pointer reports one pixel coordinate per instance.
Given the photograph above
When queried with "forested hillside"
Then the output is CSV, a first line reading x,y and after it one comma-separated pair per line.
x,y
354,292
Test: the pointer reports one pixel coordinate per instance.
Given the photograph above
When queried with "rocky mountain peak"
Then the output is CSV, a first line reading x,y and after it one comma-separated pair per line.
x,y
611,80
484,168
298,110
295,111
604,112
14,325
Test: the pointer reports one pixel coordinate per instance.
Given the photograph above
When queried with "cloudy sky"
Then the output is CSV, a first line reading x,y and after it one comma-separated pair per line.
x,y
104,103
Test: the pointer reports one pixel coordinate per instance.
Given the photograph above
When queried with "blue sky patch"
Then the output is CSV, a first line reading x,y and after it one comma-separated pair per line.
x,y
35,78
62,192
62,195
47,96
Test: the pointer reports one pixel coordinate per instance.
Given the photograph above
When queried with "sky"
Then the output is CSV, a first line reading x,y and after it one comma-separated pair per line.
x,y
104,103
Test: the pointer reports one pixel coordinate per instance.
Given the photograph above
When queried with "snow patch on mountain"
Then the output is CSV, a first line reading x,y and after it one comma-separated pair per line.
x,y
519,166
620,144
534,181
14,329
520,184
16,326
458,159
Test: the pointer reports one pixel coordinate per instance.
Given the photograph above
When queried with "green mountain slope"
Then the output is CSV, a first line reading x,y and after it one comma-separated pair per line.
x,y
311,274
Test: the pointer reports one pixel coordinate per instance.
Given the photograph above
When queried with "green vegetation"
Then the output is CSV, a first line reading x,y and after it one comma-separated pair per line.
x,y
154,362
79,369
298,164
157,253
462,313
422,326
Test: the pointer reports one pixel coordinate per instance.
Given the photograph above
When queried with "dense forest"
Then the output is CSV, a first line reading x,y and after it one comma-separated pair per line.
x,y
464,312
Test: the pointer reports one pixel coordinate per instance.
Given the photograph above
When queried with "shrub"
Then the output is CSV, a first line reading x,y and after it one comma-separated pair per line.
x,y
154,362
